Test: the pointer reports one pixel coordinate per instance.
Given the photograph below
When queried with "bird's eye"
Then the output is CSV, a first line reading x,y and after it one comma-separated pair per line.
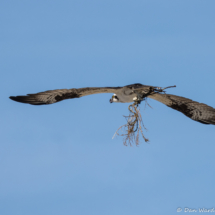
x,y
114,97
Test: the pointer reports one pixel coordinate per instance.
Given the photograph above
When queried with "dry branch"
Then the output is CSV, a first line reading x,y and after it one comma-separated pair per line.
x,y
133,128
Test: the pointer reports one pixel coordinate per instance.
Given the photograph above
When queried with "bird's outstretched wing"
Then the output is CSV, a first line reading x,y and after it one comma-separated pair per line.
x,y
53,96
197,111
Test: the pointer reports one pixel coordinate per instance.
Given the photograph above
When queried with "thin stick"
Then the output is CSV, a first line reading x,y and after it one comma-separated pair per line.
x,y
133,127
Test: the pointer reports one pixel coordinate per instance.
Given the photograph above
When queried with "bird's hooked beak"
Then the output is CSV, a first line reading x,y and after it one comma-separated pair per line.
x,y
111,100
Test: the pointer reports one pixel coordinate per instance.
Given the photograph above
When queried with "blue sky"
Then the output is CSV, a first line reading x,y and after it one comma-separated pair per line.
x,y
60,159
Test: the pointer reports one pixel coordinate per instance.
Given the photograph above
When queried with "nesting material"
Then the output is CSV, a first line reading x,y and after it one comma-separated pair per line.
x,y
132,130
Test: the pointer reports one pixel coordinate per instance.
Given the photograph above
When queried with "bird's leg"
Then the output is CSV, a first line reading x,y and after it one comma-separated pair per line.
x,y
138,99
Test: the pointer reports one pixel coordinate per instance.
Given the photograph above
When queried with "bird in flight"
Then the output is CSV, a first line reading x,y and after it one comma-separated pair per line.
x,y
131,93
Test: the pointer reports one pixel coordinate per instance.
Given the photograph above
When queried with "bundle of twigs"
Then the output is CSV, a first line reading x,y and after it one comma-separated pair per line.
x,y
133,127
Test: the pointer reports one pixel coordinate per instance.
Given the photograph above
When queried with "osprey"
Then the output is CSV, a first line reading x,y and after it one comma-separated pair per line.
x,y
131,93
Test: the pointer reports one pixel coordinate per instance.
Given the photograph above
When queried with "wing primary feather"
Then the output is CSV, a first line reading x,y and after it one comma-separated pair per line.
x,y
53,96
26,99
196,111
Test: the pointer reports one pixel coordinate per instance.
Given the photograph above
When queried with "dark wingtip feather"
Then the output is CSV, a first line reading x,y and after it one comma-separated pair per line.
x,y
18,98
26,99
11,97
15,98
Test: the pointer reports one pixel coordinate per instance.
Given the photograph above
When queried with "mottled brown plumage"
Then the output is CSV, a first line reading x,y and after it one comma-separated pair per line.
x,y
197,111
53,96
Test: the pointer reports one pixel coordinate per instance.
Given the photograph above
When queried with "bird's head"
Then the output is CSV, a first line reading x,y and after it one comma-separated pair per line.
x,y
114,98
